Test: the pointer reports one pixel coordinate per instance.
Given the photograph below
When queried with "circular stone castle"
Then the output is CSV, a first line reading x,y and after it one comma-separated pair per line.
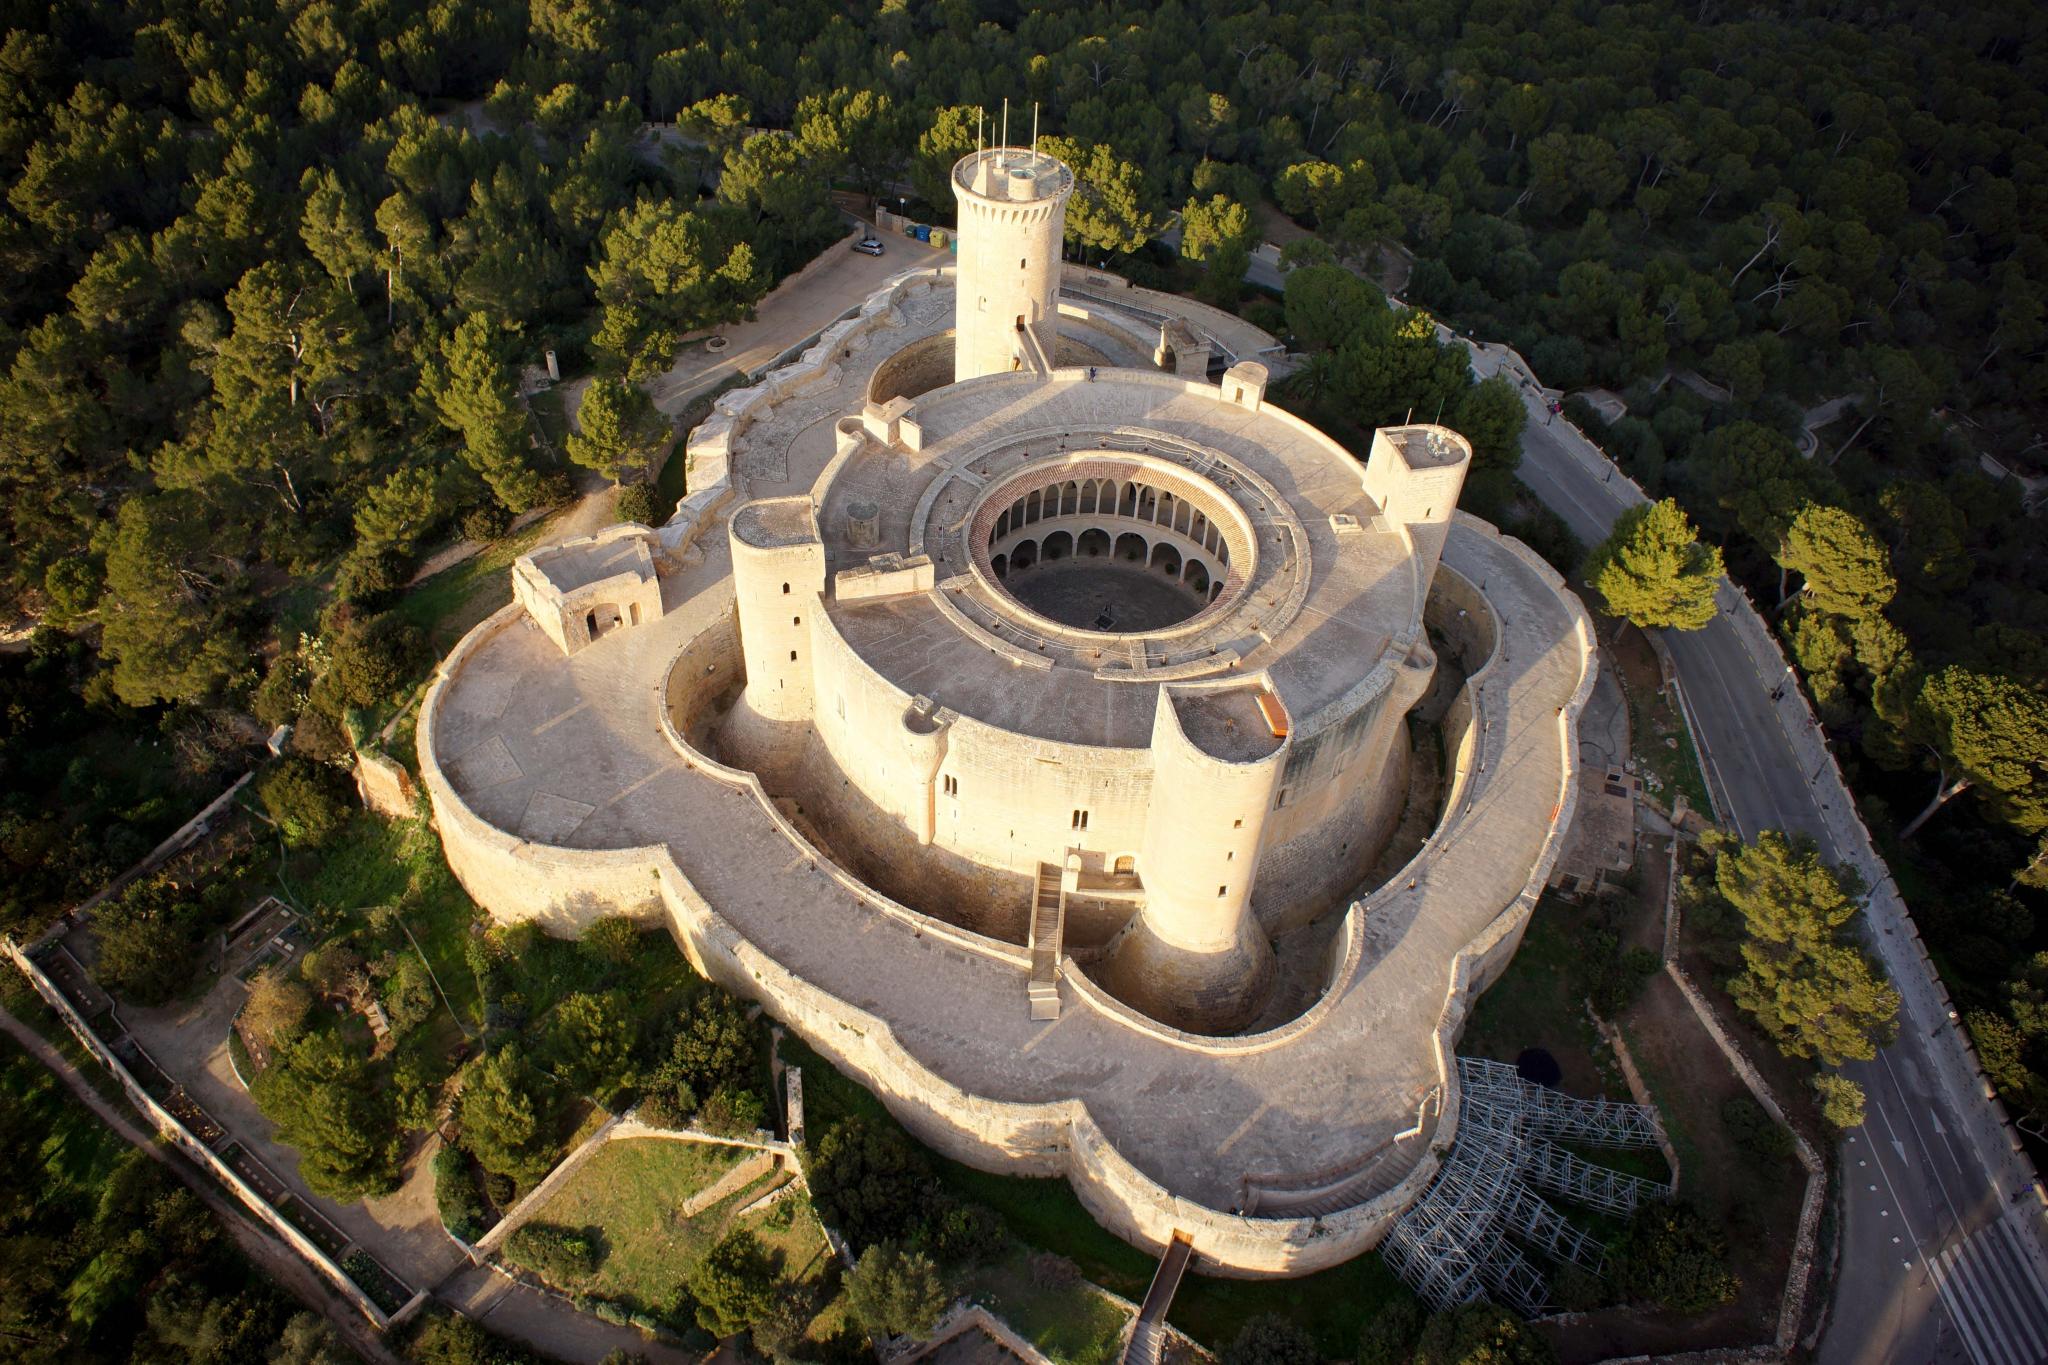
x,y
1049,733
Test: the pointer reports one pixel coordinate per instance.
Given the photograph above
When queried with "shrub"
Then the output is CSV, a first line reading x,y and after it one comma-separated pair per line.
x,y
409,997
372,659
638,502
963,1234
733,1284
1841,1101
611,939
487,522
1480,1332
869,1182
1270,1339
900,1293
1388,1337
1671,1257
733,1111
1755,1131
304,801
561,1254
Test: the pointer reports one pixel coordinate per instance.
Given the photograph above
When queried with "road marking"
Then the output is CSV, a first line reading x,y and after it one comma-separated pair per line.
x,y
1965,1320
1988,1250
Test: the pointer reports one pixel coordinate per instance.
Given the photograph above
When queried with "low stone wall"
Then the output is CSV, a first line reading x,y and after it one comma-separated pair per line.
x,y
182,1138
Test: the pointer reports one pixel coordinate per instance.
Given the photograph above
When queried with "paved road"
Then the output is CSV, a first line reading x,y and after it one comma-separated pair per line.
x,y
1941,1253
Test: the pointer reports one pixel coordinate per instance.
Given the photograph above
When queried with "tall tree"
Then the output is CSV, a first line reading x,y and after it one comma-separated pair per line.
x,y
1847,571
1805,982
1989,732
475,395
620,432
1652,569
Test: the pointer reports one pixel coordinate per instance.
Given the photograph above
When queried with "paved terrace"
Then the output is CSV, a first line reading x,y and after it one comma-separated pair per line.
x,y
570,752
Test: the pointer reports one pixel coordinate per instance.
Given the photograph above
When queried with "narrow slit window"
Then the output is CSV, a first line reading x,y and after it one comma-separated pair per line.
x,y
792,656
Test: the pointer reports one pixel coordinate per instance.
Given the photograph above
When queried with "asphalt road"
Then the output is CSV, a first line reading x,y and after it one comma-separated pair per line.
x,y
1940,1253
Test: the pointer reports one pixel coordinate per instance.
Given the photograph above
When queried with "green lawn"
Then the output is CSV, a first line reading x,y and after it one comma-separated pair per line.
x,y
633,1191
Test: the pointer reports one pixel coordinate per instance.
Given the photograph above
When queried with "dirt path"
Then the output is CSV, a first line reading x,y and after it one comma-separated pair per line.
x,y
277,1260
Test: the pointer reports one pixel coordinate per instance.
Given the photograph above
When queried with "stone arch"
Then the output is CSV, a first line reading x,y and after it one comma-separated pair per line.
x,y
1016,514
1023,555
1166,559
1127,504
1131,546
1181,515
1216,590
1003,524
1091,492
1070,498
1093,544
1195,576
1000,565
1034,505
1059,545
1148,503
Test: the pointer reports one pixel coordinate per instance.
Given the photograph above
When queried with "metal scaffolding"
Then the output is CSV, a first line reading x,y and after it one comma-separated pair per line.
x,y
1464,1239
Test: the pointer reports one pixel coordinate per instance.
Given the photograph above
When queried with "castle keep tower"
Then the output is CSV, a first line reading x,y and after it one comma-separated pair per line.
x,y
1013,212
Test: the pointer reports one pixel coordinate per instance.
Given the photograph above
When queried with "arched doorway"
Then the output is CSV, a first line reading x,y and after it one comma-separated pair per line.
x,y
1059,545
1093,544
1131,546
1023,555
1166,560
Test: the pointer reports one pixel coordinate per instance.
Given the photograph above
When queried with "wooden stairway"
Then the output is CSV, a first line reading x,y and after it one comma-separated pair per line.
x,y
1147,1342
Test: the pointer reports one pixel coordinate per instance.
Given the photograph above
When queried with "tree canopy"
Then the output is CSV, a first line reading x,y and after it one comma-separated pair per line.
x,y
1652,569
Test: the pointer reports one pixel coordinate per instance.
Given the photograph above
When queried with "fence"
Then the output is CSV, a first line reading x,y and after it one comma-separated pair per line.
x,y
182,1138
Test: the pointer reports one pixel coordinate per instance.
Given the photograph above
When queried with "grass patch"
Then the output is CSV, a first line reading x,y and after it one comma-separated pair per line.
x,y
1331,1305
1539,1002
1069,1321
629,1198
1046,1213
455,599
378,862
76,1153
633,1192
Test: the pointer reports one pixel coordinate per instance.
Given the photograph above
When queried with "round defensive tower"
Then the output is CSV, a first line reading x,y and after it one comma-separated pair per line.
x,y
1013,208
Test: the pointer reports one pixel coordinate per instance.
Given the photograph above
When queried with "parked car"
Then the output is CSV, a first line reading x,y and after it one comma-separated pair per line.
x,y
868,246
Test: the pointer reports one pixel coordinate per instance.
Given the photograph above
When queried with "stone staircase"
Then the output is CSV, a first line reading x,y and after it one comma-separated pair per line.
x,y
1048,923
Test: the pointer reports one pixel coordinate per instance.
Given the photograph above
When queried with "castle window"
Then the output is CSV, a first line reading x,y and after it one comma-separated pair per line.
x,y
1237,824
792,656
1024,264
796,620
1220,890
952,786
785,589
1080,819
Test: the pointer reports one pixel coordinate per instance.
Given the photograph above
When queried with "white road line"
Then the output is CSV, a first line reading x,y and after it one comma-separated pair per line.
x,y
1969,1276
1963,1315
2000,1305
2035,1292
1990,1251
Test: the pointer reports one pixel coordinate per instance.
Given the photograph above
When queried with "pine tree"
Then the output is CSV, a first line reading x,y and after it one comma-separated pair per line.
x,y
1847,570
1652,569
476,396
620,434
1807,985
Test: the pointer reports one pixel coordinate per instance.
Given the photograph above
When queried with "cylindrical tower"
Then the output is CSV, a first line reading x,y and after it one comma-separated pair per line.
x,y
1195,956
1013,211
